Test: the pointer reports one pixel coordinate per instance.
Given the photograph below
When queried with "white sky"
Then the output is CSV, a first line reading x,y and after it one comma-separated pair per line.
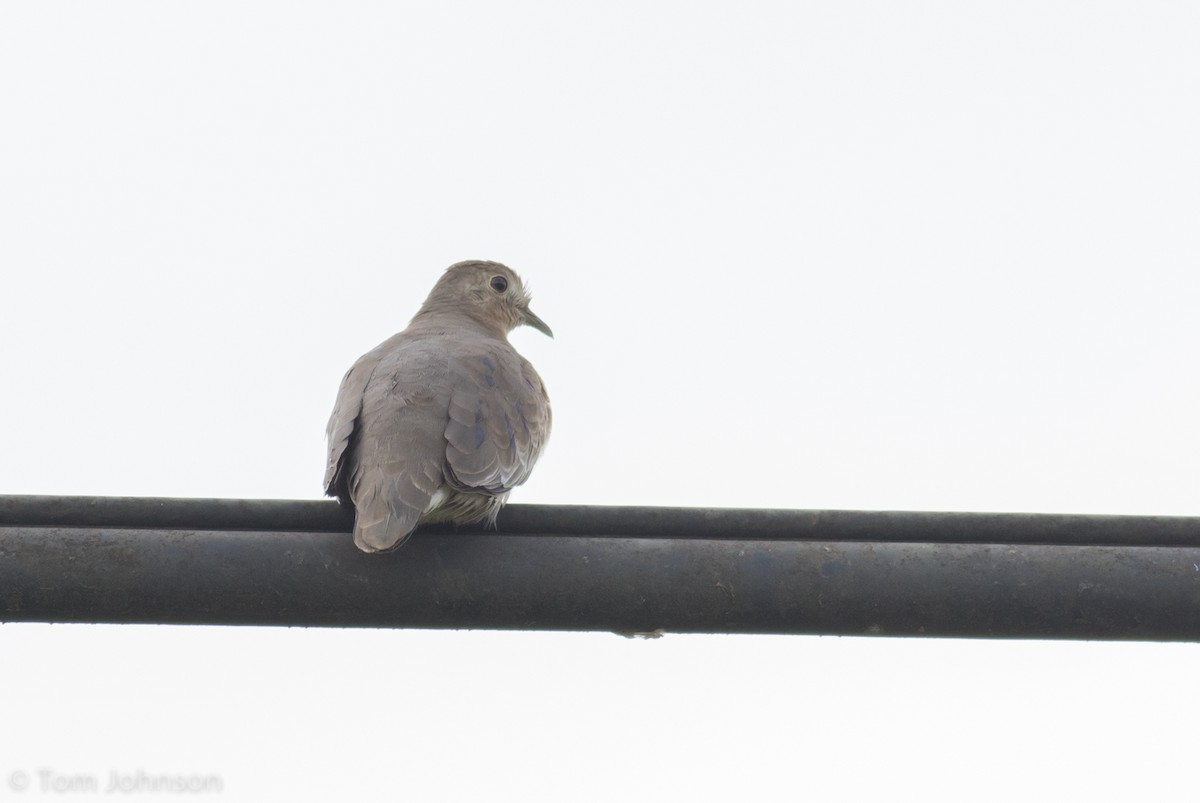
x,y
933,256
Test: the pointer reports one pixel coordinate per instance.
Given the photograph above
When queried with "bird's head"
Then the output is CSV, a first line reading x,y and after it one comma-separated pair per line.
x,y
487,292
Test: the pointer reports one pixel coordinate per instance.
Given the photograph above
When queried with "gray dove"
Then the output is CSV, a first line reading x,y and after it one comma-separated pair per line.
x,y
441,421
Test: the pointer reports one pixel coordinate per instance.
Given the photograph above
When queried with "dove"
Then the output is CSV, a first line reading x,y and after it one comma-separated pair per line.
x,y
441,421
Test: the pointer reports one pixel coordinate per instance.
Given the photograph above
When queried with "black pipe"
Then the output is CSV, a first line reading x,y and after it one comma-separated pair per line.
x,y
1123,584
625,522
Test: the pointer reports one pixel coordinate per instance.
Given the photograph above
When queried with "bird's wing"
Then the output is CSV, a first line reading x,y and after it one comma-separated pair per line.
x,y
397,453
499,420
343,423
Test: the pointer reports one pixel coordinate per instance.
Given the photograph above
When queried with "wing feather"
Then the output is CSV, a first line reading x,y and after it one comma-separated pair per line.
x,y
499,420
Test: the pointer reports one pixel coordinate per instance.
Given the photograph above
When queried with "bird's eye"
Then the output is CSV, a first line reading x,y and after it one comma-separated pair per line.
x,y
499,284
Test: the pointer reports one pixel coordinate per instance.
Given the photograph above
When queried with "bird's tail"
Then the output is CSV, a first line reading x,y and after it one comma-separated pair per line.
x,y
383,533
389,504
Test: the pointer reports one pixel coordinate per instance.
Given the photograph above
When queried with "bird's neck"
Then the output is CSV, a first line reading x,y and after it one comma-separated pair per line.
x,y
436,320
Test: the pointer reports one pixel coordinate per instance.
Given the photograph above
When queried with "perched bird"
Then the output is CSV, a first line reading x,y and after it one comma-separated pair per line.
x,y
441,421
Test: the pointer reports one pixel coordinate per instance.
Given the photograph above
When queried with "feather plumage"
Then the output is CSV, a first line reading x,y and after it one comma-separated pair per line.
x,y
441,421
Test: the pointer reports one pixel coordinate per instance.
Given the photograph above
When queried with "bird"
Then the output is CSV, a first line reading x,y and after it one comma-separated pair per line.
x,y
439,422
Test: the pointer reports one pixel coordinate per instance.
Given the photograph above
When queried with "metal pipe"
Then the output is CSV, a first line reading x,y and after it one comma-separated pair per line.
x,y
626,522
624,570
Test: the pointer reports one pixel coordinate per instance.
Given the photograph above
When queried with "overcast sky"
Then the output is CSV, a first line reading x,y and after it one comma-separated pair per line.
x,y
865,255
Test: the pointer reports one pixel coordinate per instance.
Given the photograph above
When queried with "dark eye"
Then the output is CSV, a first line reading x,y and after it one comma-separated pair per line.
x,y
499,284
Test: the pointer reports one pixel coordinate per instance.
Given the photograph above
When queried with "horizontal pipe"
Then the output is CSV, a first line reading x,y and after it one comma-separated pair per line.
x,y
527,576
624,522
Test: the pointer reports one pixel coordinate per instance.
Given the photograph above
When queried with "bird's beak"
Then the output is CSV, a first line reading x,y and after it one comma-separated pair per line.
x,y
537,323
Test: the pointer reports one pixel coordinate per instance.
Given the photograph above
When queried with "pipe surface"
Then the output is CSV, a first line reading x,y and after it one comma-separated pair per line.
x,y
629,522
